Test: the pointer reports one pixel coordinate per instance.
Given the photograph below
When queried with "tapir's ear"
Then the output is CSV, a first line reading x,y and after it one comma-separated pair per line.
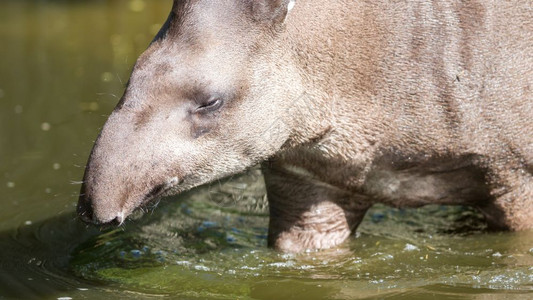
x,y
274,11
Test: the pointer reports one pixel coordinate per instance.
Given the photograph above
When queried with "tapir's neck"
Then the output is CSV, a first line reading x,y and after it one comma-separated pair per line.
x,y
336,47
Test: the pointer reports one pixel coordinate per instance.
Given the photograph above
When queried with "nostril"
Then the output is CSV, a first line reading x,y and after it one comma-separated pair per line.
x,y
84,210
85,215
119,219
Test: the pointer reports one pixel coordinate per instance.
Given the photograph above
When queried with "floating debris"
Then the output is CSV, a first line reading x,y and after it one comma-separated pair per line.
x,y
106,77
89,106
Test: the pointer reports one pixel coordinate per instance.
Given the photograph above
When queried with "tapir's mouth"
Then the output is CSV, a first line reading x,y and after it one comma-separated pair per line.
x,y
157,192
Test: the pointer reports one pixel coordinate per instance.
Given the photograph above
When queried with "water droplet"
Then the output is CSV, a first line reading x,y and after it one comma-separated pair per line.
x,y
45,126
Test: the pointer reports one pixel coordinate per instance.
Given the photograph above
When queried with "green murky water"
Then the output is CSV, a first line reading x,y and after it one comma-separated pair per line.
x,y
62,69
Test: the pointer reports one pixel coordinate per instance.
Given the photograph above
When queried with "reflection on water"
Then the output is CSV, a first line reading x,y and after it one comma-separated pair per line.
x,y
62,69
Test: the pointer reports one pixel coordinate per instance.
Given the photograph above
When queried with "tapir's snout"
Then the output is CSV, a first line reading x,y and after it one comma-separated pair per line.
x,y
99,207
86,212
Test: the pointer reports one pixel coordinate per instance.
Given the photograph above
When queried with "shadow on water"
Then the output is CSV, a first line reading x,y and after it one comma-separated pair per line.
x,y
35,257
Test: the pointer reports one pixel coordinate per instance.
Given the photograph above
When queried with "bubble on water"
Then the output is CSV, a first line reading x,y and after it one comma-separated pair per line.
x,y
45,126
48,190
19,109
28,223
64,298
497,254
281,264
201,268
2,93
83,289
137,5
10,184
410,247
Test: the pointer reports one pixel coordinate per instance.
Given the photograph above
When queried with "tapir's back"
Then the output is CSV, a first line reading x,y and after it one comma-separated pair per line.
x,y
462,70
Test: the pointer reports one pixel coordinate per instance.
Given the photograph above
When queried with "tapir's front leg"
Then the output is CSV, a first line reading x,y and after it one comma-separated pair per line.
x,y
306,213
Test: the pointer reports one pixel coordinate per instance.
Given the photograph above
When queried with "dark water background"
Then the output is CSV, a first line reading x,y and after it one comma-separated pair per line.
x,y
63,65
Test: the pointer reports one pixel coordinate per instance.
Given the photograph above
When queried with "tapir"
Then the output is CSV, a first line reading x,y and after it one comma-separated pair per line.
x,y
344,103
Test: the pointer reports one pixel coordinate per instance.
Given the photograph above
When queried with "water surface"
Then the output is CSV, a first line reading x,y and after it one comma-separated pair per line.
x,y
62,69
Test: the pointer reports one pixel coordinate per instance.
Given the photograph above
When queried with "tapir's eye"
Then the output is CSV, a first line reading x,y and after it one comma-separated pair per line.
x,y
210,105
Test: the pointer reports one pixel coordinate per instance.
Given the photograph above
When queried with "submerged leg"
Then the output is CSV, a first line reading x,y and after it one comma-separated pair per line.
x,y
308,214
512,205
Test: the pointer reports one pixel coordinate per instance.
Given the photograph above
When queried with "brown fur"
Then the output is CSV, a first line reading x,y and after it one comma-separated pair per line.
x,y
347,103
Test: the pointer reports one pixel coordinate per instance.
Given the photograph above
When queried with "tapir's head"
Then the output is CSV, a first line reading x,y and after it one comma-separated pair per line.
x,y
207,99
